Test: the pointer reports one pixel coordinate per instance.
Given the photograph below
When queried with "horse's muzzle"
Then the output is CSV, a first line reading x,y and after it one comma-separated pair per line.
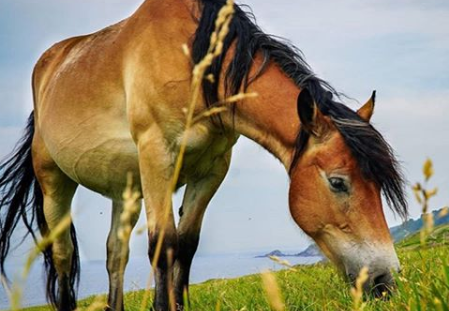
x,y
380,284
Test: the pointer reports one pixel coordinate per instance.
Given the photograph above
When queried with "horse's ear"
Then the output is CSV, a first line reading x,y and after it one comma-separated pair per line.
x,y
312,120
367,110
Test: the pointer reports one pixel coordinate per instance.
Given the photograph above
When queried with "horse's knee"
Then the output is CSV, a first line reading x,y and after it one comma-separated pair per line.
x,y
168,249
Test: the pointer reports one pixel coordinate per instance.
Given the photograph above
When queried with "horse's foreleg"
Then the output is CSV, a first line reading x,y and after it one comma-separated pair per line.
x,y
118,254
196,198
156,174
58,191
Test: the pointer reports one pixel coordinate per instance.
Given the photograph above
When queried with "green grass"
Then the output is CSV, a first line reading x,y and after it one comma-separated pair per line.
x,y
422,285
440,235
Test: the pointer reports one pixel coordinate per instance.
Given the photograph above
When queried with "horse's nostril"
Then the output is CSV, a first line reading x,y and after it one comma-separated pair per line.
x,y
382,285
352,277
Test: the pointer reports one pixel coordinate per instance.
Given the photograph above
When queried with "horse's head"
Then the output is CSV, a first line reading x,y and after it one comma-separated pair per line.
x,y
341,167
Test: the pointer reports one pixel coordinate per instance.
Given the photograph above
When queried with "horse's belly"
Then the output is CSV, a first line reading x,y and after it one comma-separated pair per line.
x,y
101,160
105,168
95,150
100,163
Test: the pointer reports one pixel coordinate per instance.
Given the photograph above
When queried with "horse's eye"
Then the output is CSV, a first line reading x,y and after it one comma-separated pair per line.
x,y
338,184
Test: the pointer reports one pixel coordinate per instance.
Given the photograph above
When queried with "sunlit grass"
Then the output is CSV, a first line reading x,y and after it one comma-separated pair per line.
x,y
422,285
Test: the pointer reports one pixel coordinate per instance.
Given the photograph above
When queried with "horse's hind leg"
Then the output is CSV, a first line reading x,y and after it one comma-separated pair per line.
x,y
58,191
118,254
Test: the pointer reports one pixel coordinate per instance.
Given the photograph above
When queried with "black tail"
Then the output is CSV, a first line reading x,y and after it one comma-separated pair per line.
x,y
21,199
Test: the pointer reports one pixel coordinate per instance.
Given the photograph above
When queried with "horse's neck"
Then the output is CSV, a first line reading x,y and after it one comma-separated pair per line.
x,y
271,119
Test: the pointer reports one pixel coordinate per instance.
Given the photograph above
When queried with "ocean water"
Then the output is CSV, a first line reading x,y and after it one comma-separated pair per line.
x,y
94,278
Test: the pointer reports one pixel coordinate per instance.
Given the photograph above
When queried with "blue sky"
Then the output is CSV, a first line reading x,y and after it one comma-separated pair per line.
x,y
398,48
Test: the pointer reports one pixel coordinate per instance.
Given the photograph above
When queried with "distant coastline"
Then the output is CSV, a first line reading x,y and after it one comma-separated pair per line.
x,y
311,251
398,233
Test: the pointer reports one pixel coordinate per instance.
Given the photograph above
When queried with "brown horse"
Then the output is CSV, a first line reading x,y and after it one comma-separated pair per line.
x,y
113,102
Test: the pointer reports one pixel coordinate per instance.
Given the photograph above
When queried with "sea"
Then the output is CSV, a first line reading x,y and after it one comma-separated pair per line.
x,y
94,278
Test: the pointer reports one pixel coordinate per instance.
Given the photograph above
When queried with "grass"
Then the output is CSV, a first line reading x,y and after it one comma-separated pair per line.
x,y
422,285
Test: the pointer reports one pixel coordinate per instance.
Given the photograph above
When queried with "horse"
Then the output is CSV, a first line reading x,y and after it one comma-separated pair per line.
x,y
113,102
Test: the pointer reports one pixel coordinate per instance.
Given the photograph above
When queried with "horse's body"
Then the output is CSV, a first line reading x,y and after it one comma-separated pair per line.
x,y
113,102
95,112
98,93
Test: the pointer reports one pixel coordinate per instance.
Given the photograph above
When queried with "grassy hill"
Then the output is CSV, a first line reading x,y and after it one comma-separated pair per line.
x,y
439,236
411,226
422,285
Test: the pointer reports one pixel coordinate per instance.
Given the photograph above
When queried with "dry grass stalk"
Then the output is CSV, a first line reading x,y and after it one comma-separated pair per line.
x,y
4,283
357,291
423,195
171,292
444,211
131,208
221,106
209,113
282,262
16,293
97,305
272,291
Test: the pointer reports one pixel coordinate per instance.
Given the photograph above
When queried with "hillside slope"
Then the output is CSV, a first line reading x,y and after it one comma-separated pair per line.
x,y
414,225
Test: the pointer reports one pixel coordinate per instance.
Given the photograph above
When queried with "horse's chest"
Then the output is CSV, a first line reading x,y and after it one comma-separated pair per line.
x,y
203,149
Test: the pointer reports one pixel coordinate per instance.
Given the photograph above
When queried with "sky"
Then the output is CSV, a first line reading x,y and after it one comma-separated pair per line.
x,y
398,48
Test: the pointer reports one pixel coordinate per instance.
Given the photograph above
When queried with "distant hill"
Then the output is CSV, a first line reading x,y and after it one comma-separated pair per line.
x,y
276,253
311,251
414,225
438,236
408,229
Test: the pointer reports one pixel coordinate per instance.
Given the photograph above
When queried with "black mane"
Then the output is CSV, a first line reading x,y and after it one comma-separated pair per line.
x,y
373,154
